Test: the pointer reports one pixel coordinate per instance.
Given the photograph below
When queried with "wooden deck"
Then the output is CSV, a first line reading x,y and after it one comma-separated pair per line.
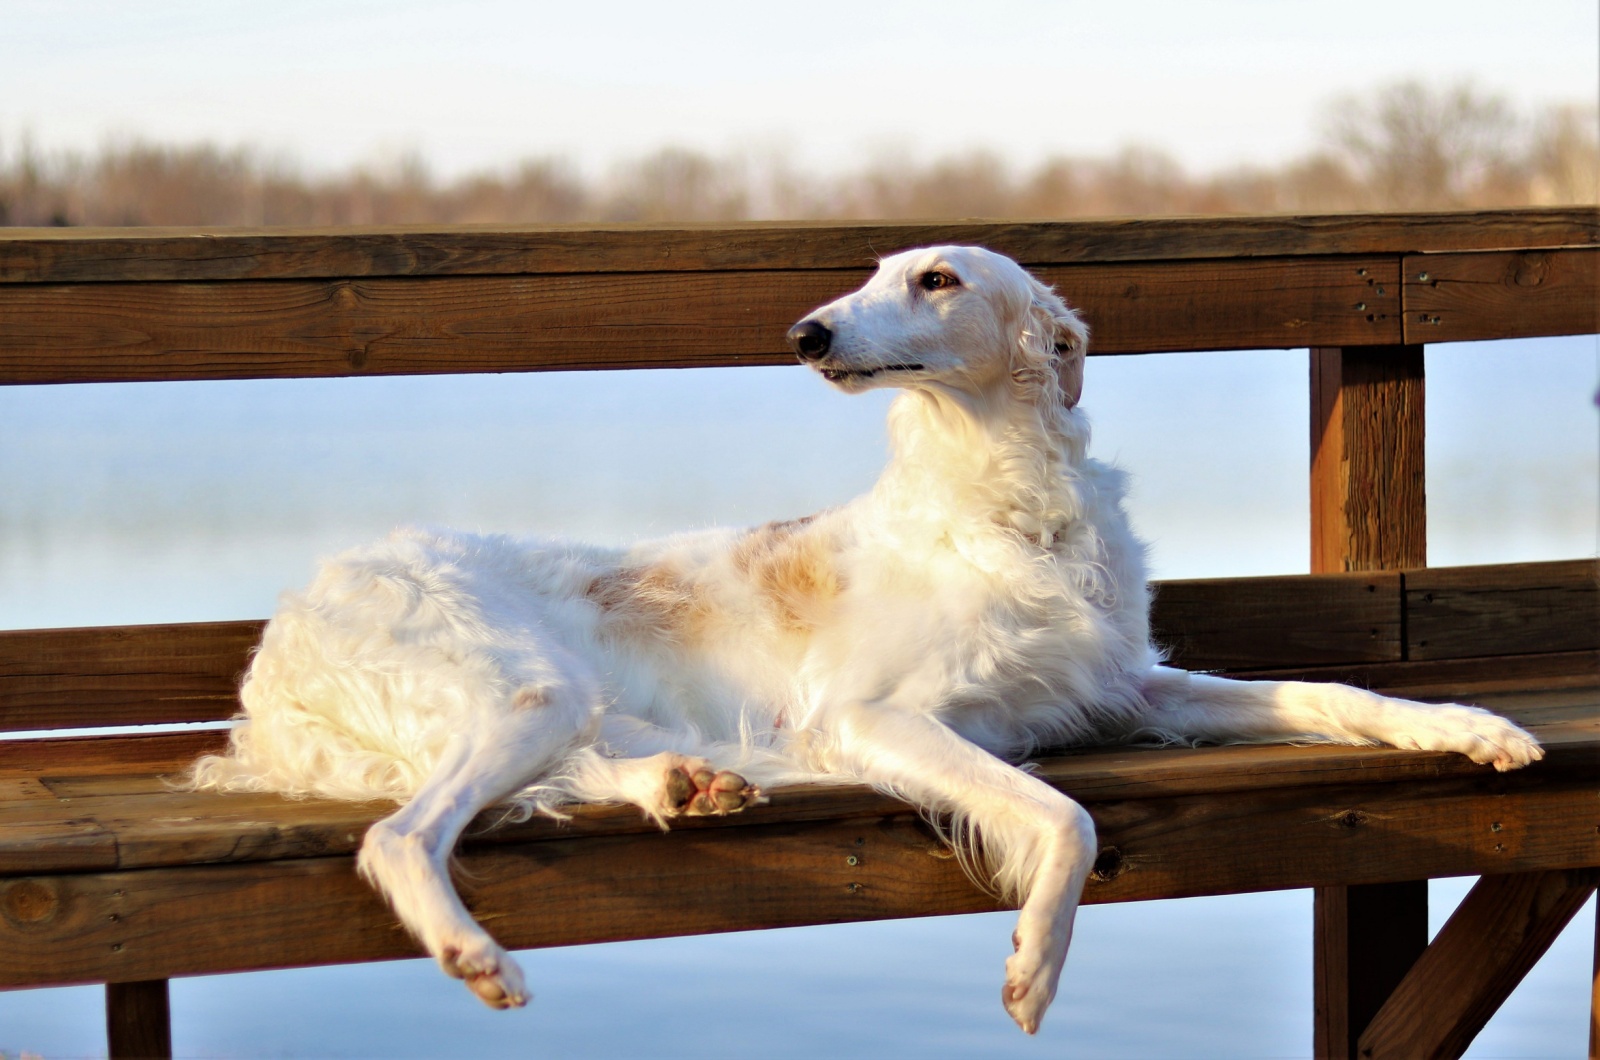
x,y
108,875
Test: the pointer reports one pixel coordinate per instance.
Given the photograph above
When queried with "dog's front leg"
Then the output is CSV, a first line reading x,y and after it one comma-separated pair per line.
x,y
1035,844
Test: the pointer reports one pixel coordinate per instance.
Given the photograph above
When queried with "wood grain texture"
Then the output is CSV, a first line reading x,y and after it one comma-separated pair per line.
x,y
1368,937
1233,304
1242,624
100,821
1501,929
59,928
75,805
122,675
1461,679
1503,295
316,911
75,255
410,326
1461,612
1368,507
138,1020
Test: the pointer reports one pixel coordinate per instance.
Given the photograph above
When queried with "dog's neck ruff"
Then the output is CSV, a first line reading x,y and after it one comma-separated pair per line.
x,y
963,468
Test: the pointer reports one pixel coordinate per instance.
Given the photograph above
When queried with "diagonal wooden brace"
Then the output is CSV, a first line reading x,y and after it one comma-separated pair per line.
x,y
1502,928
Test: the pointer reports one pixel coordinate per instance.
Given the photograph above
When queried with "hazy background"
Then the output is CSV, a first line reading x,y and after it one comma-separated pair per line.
x,y
193,501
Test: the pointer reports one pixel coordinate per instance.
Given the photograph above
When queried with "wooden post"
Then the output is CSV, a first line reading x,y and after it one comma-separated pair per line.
x,y
1368,507
1368,512
138,1021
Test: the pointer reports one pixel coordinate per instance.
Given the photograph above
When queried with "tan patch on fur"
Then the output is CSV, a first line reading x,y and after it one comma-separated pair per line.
x,y
792,569
652,599
530,699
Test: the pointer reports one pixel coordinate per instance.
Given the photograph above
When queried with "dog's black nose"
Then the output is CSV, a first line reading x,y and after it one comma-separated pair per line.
x,y
810,340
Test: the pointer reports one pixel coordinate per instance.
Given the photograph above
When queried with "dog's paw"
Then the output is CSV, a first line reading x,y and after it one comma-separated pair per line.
x,y
695,789
488,971
1032,973
1486,738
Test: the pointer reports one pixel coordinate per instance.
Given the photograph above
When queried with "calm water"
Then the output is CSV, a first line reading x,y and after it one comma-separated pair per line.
x,y
181,502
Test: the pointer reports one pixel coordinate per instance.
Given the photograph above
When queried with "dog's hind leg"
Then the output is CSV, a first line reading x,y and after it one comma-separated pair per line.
x,y
406,855
1038,844
1201,707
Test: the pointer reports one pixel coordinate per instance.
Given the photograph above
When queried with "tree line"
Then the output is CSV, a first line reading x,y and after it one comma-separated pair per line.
x,y
1407,147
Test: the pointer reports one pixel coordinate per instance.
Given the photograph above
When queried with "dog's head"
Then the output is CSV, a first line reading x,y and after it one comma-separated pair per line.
x,y
960,317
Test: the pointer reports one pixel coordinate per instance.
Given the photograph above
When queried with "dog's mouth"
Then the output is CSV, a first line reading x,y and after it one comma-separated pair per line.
x,y
838,375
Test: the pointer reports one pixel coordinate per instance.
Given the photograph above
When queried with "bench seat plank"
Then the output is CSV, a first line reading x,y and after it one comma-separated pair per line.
x,y
1172,823
81,806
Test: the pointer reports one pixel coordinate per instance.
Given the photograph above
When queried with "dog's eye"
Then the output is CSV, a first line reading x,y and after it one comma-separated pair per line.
x,y
933,279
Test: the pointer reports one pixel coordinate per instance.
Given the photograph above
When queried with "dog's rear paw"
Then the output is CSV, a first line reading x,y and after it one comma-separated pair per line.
x,y
488,972
697,790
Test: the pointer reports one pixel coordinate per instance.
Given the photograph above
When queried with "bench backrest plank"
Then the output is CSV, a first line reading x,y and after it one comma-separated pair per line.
x,y
82,306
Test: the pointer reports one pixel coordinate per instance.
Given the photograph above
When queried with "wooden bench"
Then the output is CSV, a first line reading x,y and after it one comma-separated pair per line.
x,y
107,876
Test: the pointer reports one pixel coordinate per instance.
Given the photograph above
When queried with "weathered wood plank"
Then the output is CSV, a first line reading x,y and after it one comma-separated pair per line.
x,y
1462,679
1233,304
209,918
75,255
1256,623
138,1020
316,911
1367,507
88,810
137,753
122,675
135,822
410,326
1501,929
1502,295
1508,609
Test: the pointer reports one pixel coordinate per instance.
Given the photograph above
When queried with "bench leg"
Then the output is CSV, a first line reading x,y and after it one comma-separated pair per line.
x,y
1367,938
138,1021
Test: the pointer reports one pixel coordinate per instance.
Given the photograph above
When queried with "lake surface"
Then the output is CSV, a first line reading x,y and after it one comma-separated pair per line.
x,y
198,501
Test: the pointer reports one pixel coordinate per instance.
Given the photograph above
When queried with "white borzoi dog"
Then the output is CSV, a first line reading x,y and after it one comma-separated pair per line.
x,y
987,598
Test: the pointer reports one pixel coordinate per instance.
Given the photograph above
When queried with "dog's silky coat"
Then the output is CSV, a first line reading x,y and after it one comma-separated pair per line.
x,y
985,599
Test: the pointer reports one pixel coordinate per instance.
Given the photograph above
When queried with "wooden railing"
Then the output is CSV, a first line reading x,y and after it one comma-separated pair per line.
x,y
1364,293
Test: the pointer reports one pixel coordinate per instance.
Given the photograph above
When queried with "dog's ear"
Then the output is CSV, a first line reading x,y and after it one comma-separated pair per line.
x,y
1061,336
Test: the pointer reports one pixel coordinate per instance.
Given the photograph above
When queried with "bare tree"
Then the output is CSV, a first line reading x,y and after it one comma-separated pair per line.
x,y
1415,147
1408,146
